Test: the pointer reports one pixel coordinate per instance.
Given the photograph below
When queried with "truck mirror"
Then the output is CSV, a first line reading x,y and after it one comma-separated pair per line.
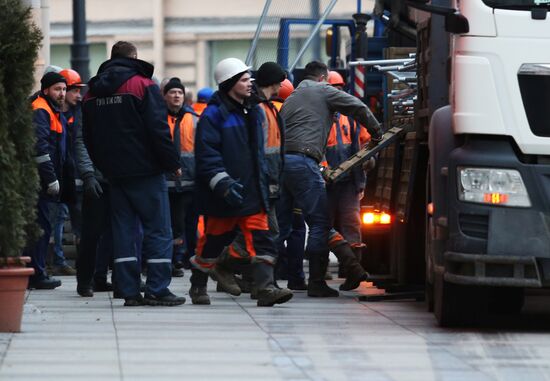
x,y
456,23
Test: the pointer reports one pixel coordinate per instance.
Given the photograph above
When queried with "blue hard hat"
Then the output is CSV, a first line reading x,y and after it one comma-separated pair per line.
x,y
205,94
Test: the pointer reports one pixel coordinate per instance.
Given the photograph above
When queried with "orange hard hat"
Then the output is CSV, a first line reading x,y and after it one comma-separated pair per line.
x,y
335,79
286,89
72,77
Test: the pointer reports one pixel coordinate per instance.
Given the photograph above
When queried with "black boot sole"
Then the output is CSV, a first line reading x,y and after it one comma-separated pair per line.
x,y
352,284
162,303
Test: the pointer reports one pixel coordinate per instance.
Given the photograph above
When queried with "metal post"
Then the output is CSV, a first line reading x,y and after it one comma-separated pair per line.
x,y
252,49
80,56
313,33
316,43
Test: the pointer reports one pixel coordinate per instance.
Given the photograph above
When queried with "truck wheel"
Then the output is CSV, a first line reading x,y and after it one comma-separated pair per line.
x,y
458,305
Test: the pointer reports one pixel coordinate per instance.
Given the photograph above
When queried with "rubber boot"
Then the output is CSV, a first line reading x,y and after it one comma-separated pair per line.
x,y
268,295
317,286
355,273
223,274
199,295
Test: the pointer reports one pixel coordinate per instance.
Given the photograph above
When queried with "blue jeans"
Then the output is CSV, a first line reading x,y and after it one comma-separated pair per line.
x,y
59,212
290,264
345,210
144,199
304,188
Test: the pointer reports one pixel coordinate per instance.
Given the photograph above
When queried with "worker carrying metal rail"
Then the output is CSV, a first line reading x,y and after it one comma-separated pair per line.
x,y
308,115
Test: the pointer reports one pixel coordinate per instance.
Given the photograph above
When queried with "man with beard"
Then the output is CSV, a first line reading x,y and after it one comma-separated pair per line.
x,y
54,168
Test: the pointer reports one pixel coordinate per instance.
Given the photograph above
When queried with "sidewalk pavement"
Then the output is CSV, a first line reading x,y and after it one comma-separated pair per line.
x,y
66,337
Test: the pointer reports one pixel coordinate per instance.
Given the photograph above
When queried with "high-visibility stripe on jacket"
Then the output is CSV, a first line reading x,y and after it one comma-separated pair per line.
x,y
51,141
345,138
187,126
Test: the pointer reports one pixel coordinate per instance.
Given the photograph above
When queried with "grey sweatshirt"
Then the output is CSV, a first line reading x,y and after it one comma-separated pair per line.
x,y
308,112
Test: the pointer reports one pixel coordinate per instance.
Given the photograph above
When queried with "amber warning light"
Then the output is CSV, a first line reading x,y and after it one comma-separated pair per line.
x,y
495,198
376,218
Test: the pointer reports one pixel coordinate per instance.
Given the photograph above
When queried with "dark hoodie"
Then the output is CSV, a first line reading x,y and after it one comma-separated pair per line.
x,y
125,122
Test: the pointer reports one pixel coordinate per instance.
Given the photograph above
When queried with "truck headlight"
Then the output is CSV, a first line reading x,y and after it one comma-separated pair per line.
x,y
494,186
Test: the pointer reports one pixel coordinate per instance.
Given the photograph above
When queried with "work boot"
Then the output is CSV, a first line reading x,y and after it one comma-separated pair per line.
x,y
355,274
102,286
167,300
176,273
297,286
134,301
199,296
63,270
85,292
317,286
223,274
244,284
268,297
265,291
43,283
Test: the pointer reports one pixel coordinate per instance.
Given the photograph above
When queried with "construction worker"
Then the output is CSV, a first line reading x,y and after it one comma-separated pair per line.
x,y
308,118
267,84
203,97
181,186
233,181
346,137
127,135
54,168
60,211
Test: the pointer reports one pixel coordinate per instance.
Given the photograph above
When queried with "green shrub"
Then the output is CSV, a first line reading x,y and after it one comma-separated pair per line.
x,y
19,43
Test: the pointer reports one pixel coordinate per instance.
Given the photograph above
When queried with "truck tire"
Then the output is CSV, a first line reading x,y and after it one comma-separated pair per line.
x,y
457,305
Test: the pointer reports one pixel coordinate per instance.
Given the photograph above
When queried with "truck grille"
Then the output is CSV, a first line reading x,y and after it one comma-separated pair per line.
x,y
534,84
474,225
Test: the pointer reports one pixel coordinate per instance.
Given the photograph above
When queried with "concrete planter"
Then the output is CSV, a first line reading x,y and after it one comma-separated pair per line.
x,y
14,277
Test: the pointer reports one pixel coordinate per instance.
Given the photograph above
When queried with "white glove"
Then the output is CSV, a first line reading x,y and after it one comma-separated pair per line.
x,y
53,188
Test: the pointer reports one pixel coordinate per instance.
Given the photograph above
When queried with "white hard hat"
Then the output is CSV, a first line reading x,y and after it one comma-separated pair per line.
x,y
228,68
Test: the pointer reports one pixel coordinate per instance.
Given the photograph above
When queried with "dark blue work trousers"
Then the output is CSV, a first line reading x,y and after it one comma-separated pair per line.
x,y
39,249
143,199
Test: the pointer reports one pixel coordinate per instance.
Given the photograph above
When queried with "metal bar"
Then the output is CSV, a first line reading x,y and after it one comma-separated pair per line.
x,y
80,57
257,34
381,62
312,35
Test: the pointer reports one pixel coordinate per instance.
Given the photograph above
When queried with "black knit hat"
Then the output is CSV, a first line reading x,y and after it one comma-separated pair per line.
x,y
269,74
174,83
50,79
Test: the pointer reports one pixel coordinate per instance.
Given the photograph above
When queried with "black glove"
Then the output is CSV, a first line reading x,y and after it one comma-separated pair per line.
x,y
92,188
375,139
234,195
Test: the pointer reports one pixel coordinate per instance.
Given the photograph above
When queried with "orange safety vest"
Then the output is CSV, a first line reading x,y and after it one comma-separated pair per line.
x,y
187,131
345,131
277,105
272,132
199,107
55,120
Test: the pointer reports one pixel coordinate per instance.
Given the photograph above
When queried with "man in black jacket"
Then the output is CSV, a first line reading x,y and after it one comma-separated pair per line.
x,y
127,136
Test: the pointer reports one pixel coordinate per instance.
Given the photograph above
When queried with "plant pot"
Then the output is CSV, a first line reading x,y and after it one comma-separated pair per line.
x,y
14,277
